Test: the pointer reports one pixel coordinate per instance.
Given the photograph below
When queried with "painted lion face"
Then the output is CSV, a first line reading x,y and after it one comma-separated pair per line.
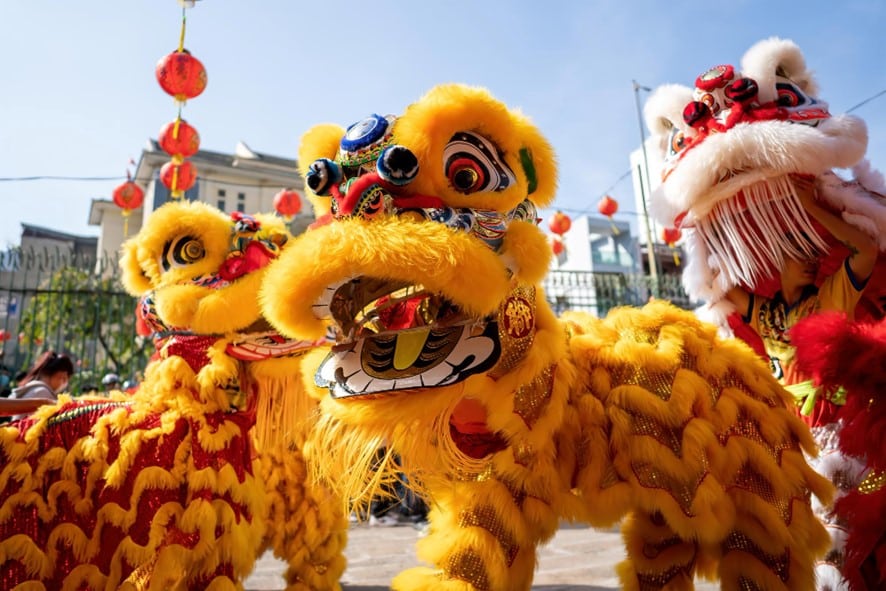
x,y
198,272
731,151
425,266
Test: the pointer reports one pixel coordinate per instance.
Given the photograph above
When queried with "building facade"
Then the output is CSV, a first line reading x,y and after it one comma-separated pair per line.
x,y
244,181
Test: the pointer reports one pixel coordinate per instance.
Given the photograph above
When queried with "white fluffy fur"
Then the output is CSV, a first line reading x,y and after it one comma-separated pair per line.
x,y
768,149
766,58
664,109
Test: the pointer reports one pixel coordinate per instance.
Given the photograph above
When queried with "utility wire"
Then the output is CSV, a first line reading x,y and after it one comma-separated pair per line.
x,y
867,100
267,185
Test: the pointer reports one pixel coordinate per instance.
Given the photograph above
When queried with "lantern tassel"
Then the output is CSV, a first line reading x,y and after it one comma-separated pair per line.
x,y
615,230
174,192
676,256
125,214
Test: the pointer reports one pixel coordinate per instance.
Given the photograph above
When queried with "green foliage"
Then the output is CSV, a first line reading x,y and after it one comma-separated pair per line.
x,y
88,316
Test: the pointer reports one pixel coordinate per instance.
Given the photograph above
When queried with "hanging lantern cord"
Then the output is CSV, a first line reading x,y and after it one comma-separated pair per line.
x,y
181,38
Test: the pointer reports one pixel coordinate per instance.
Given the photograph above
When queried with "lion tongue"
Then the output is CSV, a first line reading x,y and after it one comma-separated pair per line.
x,y
409,346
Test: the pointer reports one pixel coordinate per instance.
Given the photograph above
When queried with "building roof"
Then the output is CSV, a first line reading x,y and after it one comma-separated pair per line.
x,y
243,157
32,231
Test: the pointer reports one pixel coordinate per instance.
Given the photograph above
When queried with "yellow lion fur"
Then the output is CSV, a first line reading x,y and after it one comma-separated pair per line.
x,y
283,509
646,416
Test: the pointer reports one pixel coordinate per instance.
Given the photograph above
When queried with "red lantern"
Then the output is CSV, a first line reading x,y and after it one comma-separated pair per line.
x,y
607,206
128,196
181,75
560,223
557,246
4,335
287,203
671,235
177,138
178,176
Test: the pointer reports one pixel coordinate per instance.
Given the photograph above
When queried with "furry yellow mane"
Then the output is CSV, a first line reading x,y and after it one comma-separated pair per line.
x,y
163,488
508,418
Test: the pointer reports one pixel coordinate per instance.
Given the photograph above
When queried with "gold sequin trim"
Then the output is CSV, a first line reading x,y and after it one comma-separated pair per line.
x,y
530,399
466,565
874,481
754,482
750,429
485,517
609,478
656,581
737,541
523,454
650,476
745,584
658,383
667,436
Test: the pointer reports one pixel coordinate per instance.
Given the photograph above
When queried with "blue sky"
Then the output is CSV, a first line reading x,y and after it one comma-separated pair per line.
x,y
80,98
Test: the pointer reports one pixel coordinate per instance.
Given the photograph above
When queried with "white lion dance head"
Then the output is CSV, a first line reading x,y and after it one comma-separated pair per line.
x,y
731,150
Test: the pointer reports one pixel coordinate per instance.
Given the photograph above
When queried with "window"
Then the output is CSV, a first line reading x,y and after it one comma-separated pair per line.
x,y
221,204
241,202
221,199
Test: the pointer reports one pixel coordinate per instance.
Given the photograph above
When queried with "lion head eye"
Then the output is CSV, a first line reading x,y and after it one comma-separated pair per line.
x,y
183,251
789,95
677,143
472,164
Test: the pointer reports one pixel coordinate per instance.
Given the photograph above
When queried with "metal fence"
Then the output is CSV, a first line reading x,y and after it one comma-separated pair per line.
x,y
597,293
75,304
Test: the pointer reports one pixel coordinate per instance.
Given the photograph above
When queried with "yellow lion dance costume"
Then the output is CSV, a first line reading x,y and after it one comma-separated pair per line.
x,y
164,489
507,418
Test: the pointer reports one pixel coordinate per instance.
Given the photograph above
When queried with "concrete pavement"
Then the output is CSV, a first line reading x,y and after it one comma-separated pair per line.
x,y
576,559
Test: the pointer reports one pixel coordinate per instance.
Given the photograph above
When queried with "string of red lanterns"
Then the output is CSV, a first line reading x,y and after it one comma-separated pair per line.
x,y
560,224
182,76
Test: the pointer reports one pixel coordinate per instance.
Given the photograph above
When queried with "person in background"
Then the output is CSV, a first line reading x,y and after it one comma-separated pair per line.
x,y
48,376
20,407
799,298
110,383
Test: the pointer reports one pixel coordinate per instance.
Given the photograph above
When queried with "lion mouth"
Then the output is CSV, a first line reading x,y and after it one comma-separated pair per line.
x,y
394,335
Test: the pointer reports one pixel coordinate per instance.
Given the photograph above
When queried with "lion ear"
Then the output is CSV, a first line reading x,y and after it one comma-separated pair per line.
x,y
320,141
663,112
133,277
539,163
773,58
